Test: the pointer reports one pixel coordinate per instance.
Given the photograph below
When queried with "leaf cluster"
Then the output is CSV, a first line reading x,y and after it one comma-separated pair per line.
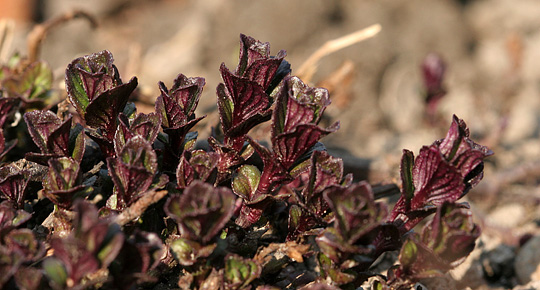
x,y
112,198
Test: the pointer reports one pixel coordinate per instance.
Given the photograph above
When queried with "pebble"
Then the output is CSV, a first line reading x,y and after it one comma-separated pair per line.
x,y
508,216
528,261
534,285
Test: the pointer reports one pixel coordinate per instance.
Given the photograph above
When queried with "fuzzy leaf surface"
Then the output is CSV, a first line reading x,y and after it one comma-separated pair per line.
x,y
201,211
88,77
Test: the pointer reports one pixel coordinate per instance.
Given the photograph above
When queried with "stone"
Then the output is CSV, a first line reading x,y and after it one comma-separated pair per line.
x,y
527,260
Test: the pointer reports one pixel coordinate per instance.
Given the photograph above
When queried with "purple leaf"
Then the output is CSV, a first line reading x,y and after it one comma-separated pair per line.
x,y
201,211
251,50
88,77
146,126
102,112
96,91
49,132
257,65
103,239
73,256
435,180
130,182
185,173
451,234
41,124
132,172
290,146
242,104
177,110
355,210
274,173
433,70
13,188
10,218
297,103
63,183
295,118
180,102
197,164
8,107
466,155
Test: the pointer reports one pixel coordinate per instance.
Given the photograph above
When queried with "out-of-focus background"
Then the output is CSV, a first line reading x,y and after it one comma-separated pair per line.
x,y
492,53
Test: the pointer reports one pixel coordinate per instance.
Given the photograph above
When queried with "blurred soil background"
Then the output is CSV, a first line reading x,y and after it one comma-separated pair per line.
x,y
491,49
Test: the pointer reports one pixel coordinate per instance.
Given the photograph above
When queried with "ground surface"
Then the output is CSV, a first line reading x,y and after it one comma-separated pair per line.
x,y
491,47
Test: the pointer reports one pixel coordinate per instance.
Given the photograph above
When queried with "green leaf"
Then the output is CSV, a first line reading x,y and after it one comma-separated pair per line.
x,y
55,270
102,113
187,252
408,253
246,181
37,79
240,272
110,250
77,142
225,106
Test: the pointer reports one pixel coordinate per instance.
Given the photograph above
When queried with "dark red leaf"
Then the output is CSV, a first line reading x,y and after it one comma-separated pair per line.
x,y
133,171
435,181
145,125
242,104
63,183
8,107
41,124
13,188
290,146
177,106
355,210
197,164
102,112
451,234
297,103
201,211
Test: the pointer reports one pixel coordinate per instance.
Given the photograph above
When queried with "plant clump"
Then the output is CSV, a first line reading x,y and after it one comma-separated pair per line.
x,y
112,198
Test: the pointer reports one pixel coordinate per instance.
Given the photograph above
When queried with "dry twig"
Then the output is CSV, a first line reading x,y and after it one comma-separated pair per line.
x,y
137,209
6,38
308,68
38,34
